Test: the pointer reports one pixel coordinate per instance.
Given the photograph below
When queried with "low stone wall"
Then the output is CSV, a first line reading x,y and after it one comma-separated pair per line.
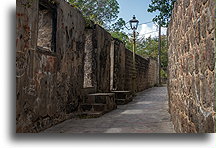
x,y
59,57
191,66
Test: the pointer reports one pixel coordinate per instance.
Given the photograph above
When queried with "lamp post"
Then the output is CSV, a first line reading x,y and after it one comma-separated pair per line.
x,y
159,55
134,25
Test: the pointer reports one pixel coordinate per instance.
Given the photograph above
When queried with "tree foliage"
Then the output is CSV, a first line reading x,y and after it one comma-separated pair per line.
x,y
118,26
100,11
165,8
149,48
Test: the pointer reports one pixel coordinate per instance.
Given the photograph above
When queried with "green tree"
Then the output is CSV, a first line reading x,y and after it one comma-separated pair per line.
x,y
124,38
102,12
165,8
149,48
118,26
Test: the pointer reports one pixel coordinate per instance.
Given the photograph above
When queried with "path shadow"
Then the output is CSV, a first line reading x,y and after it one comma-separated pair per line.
x,y
112,137
11,61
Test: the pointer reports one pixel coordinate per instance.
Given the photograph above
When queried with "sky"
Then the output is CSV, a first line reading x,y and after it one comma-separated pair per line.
x,y
128,8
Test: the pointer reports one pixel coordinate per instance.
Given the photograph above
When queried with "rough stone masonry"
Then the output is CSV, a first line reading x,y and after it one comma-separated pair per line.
x,y
192,66
58,55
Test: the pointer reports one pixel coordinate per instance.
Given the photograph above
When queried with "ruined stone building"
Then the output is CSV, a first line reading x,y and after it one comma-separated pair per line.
x,y
60,60
192,66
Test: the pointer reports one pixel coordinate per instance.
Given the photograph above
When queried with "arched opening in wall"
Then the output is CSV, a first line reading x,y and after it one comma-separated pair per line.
x,y
47,26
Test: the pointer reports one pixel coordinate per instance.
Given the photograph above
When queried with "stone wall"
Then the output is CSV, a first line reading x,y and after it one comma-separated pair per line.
x,y
145,73
142,76
128,70
97,58
58,56
109,64
153,77
48,82
118,65
191,66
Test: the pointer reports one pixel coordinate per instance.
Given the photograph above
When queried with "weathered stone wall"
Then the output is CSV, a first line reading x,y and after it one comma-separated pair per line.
x,y
128,70
97,58
118,65
48,82
102,41
145,73
152,73
114,66
191,66
142,68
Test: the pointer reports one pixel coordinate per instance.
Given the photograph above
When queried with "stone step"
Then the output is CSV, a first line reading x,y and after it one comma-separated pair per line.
x,y
121,102
97,104
122,94
91,114
122,97
103,98
93,107
86,91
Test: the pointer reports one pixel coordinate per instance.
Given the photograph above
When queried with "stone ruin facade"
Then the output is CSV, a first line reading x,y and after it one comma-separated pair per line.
x,y
192,66
60,59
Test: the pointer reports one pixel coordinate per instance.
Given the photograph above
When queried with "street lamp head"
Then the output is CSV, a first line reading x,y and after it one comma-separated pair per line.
x,y
134,23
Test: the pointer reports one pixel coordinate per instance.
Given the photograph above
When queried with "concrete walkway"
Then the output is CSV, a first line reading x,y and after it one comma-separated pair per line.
x,y
147,113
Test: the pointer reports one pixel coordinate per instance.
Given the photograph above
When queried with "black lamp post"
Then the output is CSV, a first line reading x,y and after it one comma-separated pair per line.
x,y
134,25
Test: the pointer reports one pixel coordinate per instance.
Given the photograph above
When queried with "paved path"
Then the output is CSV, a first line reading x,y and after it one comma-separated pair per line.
x,y
147,113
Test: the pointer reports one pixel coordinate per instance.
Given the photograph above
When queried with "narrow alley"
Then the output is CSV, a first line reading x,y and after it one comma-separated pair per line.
x,y
147,113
